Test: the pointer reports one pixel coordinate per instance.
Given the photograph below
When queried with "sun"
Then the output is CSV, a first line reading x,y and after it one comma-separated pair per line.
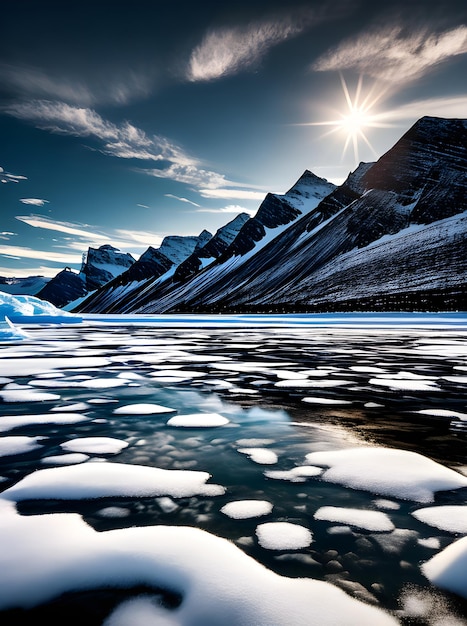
x,y
357,118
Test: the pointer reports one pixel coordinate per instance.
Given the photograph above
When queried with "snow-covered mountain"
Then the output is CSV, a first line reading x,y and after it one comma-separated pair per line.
x,y
152,264
393,236
239,239
28,286
99,266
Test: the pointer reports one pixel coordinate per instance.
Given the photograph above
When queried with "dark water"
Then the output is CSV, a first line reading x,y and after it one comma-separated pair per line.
x,y
235,372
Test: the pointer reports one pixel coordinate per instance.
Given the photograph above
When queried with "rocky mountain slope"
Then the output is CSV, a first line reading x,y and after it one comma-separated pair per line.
x,y
99,266
392,237
240,239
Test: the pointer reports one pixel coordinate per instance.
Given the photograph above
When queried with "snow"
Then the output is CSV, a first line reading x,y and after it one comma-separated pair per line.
x,y
245,509
405,384
443,413
65,459
450,518
387,472
295,475
323,401
101,480
214,578
198,420
26,395
8,422
448,568
142,408
18,445
95,445
283,536
260,455
367,520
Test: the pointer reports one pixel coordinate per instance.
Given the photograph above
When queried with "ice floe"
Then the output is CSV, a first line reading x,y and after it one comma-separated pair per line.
x,y
448,568
198,420
95,445
260,455
324,401
450,518
101,480
368,520
215,579
65,459
246,509
9,422
296,474
283,536
142,408
27,395
19,444
387,472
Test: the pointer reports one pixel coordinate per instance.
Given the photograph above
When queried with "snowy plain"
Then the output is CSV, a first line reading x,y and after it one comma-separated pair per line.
x,y
198,470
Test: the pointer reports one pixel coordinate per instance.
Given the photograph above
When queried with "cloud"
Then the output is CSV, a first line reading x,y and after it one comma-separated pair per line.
x,y
34,201
41,270
6,234
7,177
124,141
31,82
233,194
454,107
20,252
170,195
230,208
393,55
189,175
120,238
130,237
39,221
227,51
143,206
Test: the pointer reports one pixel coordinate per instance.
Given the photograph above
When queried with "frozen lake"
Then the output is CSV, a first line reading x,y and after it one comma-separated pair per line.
x,y
326,448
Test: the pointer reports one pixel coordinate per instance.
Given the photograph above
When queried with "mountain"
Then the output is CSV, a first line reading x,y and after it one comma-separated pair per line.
x,y
152,264
99,266
29,286
392,237
237,241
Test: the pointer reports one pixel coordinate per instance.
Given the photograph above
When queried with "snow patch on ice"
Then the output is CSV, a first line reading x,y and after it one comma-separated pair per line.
x,y
246,509
283,536
387,472
367,520
450,518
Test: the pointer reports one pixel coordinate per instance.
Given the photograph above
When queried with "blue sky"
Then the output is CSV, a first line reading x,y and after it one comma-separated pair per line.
x,y
124,122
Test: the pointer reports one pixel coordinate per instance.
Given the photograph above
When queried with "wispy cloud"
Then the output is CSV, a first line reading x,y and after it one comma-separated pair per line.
x,y
7,177
230,208
454,107
26,272
232,194
143,206
20,252
39,221
170,195
6,235
128,240
189,175
124,141
228,51
395,55
32,82
33,201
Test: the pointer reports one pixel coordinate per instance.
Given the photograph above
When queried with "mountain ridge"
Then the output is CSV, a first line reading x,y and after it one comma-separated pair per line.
x,y
392,235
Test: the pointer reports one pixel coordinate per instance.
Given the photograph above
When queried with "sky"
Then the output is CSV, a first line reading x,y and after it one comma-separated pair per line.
x,y
124,122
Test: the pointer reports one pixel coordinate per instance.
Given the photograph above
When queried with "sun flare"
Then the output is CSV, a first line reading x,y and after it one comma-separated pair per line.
x,y
357,118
